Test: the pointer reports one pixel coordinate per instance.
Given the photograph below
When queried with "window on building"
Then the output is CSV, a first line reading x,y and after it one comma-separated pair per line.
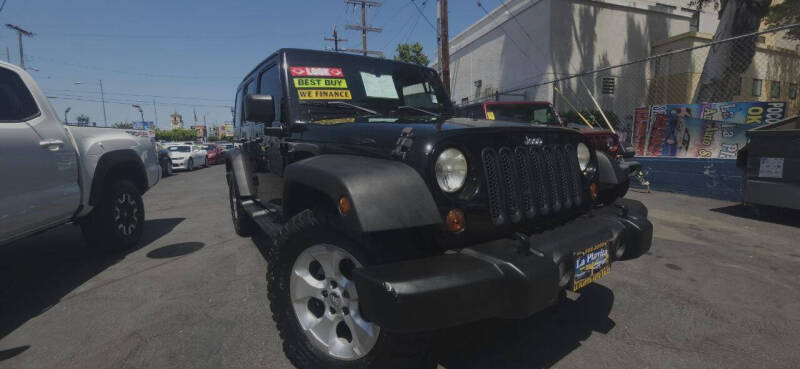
x,y
16,102
666,7
792,91
609,85
737,90
775,90
694,23
757,85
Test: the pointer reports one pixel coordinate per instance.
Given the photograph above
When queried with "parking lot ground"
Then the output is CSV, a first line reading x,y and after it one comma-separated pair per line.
x,y
718,289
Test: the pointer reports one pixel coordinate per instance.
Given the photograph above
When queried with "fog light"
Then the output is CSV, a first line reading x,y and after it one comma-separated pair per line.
x,y
455,220
593,190
344,205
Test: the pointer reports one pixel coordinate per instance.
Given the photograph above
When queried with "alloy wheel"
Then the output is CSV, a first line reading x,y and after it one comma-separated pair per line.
x,y
325,301
126,214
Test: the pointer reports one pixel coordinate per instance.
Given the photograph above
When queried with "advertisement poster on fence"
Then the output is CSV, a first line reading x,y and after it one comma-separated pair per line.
x,y
687,137
641,117
666,123
145,126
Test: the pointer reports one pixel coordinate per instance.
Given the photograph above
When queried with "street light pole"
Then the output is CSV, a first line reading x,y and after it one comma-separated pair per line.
x,y
66,121
103,101
141,112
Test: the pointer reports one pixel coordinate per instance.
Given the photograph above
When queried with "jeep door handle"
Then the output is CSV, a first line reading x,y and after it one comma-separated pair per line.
x,y
52,145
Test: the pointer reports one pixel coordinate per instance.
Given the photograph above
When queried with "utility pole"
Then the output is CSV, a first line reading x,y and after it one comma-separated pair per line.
x,y
363,27
20,32
8,55
444,38
335,40
103,101
155,113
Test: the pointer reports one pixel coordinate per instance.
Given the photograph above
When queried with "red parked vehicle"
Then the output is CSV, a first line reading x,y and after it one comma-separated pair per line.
x,y
216,154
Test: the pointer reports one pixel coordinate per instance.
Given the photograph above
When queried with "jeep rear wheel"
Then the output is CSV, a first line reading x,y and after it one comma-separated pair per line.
x,y
117,220
314,303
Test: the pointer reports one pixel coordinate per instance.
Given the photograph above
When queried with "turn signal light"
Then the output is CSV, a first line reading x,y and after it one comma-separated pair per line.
x,y
593,190
455,220
344,205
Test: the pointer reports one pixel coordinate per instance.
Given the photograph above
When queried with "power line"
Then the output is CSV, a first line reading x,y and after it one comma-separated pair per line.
x,y
139,95
425,2
96,68
126,102
506,33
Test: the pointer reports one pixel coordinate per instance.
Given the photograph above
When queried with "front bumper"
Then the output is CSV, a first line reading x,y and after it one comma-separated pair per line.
x,y
503,278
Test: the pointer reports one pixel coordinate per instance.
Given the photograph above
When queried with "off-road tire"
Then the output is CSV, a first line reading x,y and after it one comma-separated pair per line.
x,y
108,226
243,225
302,231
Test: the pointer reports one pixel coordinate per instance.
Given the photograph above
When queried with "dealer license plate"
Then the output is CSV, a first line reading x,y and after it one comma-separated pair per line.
x,y
591,264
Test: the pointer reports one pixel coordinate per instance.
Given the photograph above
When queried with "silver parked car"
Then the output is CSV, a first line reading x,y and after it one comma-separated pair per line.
x,y
92,176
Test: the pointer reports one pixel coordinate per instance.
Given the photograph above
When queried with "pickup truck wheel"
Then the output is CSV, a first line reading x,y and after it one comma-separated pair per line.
x,y
242,223
314,303
117,221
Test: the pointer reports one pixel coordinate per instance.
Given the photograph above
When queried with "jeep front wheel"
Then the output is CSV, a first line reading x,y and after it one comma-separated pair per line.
x,y
117,221
314,303
242,223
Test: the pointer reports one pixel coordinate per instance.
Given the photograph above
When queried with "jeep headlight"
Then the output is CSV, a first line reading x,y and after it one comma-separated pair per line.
x,y
451,170
583,156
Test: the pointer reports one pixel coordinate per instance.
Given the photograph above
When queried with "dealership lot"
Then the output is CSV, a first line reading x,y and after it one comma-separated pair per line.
x,y
718,289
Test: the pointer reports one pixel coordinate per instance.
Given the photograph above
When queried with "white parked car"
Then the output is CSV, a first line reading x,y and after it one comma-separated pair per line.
x,y
187,157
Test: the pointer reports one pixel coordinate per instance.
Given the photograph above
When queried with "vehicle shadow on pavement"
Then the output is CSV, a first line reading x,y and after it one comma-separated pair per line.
x,y
539,341
37,272
787,217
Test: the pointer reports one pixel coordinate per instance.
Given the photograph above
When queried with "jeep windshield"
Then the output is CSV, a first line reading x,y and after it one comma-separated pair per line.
x,y
324,87
523,112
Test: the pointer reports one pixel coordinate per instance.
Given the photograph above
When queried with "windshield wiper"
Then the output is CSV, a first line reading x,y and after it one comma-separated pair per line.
x,y
339,104
421,110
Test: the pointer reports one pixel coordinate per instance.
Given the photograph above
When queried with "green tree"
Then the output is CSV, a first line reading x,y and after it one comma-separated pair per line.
x,y
212,138
83,119
411,53
177,134
785,13
123,125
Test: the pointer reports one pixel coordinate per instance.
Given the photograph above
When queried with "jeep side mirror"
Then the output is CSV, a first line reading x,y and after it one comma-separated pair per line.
x,y
259,108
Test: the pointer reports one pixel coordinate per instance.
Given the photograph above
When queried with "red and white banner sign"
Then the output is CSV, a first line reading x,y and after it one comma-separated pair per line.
x,y
316,72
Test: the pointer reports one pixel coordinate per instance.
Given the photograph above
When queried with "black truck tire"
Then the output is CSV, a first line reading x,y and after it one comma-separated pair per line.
x,y
117,220
242,223
303,232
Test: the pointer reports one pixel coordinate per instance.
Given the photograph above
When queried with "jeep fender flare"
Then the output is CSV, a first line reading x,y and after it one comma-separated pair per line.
x,y
123,163
238,166
384,194
610,173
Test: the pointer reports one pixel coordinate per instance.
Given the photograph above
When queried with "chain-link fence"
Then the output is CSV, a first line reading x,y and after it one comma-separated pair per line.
x,y
714,87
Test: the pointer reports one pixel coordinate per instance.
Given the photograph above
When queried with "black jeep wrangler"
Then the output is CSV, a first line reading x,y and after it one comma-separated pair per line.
x,y
392,218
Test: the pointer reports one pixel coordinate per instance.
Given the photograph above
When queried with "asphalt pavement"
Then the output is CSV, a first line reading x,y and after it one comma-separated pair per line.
x,y
719,289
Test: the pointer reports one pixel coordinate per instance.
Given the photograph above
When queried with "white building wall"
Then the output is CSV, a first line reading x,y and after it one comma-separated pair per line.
x,y
563,37
500,53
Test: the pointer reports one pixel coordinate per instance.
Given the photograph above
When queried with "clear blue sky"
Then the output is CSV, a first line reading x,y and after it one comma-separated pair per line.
x,y
190,53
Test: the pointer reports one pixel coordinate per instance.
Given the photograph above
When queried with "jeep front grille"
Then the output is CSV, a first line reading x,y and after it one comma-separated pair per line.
x,y
528,182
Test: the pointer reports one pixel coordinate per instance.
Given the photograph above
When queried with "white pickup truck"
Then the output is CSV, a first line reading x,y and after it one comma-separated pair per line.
x,y
56,174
